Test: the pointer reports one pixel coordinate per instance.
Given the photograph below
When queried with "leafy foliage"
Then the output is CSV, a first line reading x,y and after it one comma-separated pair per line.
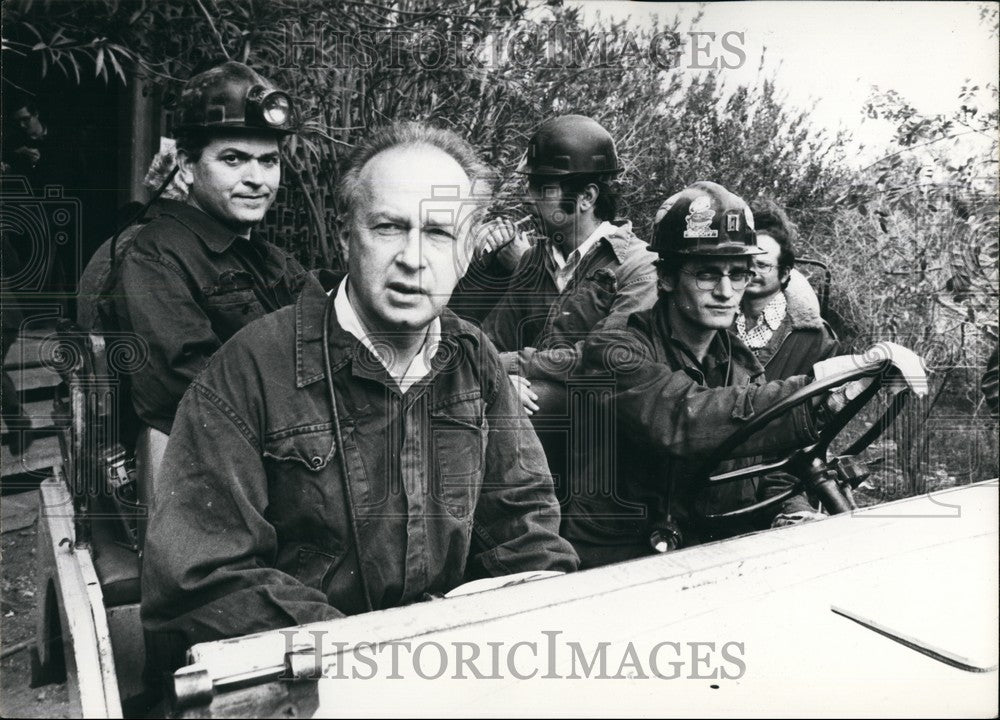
x,y
911,240
491,69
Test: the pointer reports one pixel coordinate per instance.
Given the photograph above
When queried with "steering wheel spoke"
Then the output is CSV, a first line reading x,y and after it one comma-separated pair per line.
x,y
753,471
743,512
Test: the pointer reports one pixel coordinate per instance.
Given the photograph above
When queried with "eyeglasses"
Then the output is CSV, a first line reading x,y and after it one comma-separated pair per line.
x,y
709,279
763,266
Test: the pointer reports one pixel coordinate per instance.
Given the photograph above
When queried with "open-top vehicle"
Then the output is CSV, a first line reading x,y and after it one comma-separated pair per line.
x,y
891,608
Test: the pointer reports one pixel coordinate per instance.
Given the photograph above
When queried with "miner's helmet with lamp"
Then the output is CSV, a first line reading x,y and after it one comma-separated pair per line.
x,y
570,145
232,96
704,220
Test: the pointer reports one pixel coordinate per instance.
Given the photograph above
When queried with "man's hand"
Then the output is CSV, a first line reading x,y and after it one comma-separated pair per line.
x,y
909,364
502,237
796,518
840,396
528,398
31,155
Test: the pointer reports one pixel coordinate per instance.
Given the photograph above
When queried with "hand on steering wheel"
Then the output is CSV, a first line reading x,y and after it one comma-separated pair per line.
x,y
809,464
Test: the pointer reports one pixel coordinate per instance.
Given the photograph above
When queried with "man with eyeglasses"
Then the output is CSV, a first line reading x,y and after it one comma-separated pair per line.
x,y
678,383
779,319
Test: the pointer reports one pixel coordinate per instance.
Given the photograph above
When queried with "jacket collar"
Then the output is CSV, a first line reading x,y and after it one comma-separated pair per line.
x,y
216,236
617,237
345,347
802,306
619,240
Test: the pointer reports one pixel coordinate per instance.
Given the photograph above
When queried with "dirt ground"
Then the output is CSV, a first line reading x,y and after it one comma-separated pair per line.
x,y
17,624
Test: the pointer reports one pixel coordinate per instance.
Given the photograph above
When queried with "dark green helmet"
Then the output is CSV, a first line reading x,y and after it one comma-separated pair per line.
x,y
570,145
232,95
704,220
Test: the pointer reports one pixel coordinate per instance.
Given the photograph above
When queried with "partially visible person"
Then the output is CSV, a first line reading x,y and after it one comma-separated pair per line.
x,y
362,449
46,156
23,144
779,320
93,285
586,266
38,150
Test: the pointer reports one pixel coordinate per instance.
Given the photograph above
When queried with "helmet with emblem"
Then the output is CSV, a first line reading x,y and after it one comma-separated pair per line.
x,y
570,145
704,220
234,96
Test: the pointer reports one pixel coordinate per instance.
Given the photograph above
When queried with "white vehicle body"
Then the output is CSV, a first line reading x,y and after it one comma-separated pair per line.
x,y
746,626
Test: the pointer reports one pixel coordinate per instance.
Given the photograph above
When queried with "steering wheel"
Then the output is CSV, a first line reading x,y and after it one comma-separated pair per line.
x,y
809,464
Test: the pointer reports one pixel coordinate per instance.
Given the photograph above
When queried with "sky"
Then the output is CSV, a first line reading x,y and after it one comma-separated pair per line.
x,y
834,53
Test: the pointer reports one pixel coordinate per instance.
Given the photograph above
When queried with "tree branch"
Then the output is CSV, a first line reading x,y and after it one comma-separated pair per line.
x,y
215,31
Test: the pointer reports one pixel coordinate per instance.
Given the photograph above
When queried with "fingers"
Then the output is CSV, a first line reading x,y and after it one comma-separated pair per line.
x,y
530,401
527,396
796,518
853,389
510,254
494,235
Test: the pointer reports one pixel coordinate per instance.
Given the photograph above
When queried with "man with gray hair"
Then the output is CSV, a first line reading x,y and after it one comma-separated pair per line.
x,y
363,448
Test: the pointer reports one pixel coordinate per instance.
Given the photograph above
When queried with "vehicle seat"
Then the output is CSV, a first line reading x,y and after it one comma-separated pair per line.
x,y
98,462
149,449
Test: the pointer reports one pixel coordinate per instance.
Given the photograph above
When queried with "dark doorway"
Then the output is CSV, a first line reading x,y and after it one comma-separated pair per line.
x,y
70,188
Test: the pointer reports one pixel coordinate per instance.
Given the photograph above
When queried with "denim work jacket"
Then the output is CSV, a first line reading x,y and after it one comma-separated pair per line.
x,y
251,530
547,328
669,412
801,340
185,285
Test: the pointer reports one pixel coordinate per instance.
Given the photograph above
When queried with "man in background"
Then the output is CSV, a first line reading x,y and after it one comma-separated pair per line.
x,y
198,272
779,320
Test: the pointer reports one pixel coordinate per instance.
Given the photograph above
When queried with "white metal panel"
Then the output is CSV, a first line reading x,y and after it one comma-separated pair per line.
x,y
925,566
81,599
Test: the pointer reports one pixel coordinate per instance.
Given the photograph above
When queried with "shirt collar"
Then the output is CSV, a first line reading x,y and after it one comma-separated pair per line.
x,y
420,366
346,346
774,311
601,231
216,236
619,237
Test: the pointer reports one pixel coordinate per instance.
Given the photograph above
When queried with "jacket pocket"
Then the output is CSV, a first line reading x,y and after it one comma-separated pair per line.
x,y
458,463
306,488
584,305
313,447
231,302
315,568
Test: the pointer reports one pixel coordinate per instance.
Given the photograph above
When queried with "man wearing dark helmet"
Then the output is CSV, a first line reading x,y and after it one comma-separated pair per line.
x,y
586,266
198,272
680,382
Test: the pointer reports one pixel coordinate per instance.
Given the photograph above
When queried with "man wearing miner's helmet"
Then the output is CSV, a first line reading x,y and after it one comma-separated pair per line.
x,y
586,266
682,383
198,271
